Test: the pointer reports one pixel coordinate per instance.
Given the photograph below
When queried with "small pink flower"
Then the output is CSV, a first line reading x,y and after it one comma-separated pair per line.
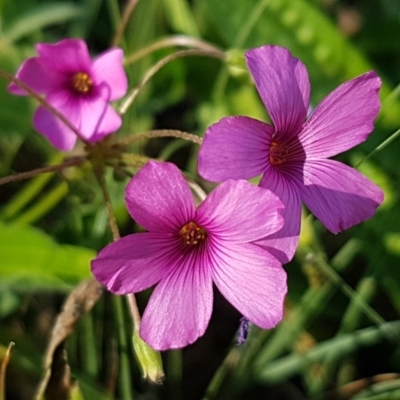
x,y
292,154
78,87
186,250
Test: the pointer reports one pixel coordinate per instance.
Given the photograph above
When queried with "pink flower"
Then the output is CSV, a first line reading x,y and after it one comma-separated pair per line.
x,y
292,154
185,250
78,87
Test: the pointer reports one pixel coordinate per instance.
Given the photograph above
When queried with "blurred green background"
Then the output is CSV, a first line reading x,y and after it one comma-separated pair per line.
x,y
342,321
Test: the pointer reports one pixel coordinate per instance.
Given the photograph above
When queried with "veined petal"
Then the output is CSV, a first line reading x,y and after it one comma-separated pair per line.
x,y
68,55
339,195
282,82
283,244
235,148
180,307
135,262
38,76
108,68
252,280
159,199
343,119
240,212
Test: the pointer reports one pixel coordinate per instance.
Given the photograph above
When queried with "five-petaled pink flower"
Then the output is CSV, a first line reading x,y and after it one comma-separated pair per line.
x,y
76,86
292,154
186,249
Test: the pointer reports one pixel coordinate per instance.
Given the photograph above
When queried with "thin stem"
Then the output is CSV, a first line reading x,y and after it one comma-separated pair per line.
x,y
130,6
124,370
240,39
160,64
74,161
251,21
134,311
160,133
4,369
111,216
346,289
116,235
175,40
42,102
387,141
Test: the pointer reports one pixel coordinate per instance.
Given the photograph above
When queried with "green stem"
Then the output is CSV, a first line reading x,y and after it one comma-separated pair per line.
x,y
3,370
159,65
243,34
43,206
170,41
125,368
284,368
389,140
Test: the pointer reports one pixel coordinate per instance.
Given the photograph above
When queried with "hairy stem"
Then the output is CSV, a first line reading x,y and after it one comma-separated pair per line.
x,y
159,65
160,133
171,41
70,162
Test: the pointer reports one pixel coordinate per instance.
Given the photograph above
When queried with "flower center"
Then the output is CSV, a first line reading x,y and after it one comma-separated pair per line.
x,y
193,234
278,153
82,83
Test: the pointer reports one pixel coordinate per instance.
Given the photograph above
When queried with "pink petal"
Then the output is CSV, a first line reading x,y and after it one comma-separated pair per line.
x,y
159,199
68,55
235,148
108,68
343,119
283,244
60,136
109,123
135,262
240,212
180,307
36,75
252,280
339,195
282,82
96,116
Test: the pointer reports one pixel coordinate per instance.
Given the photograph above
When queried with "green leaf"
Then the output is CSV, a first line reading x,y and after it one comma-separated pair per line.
x,y
41,17
337,348
31,258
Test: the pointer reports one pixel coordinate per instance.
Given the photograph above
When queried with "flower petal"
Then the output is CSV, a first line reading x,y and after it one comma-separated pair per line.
x,y
235,148
180,307
135,262
36,75
61,137
343,119
109,123
252,280
339,195
107,68
159,199
97,119
282,82
240,212
68,55
283,244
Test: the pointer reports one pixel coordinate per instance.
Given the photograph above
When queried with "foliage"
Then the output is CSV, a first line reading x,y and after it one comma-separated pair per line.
x,y
341,325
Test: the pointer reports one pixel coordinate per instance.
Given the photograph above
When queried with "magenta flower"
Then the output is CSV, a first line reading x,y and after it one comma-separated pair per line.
x,y
78,87
185,250
292,154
